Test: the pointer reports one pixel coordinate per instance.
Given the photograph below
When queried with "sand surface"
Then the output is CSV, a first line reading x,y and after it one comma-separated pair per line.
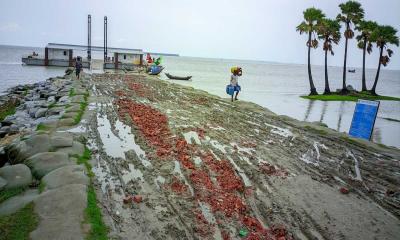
x,y
210,169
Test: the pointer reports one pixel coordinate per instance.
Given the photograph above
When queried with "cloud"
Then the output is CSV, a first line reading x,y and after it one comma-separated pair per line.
x,y
10,27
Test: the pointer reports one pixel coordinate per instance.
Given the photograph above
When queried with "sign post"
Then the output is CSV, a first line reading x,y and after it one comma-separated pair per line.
x,y
364,118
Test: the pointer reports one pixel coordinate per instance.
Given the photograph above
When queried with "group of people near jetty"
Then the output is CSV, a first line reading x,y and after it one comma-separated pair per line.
x,y
152,61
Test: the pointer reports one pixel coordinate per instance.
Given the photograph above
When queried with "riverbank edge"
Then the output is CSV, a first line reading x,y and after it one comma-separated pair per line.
x,y
352,97
315,127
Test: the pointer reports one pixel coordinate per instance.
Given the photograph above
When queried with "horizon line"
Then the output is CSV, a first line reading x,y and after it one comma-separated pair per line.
x,y
234,59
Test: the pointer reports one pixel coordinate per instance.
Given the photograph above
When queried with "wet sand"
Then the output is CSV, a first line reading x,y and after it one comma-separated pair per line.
x,y
209,169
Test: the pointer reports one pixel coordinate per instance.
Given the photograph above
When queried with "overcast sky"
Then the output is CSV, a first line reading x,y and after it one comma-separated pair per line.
x,y
237,29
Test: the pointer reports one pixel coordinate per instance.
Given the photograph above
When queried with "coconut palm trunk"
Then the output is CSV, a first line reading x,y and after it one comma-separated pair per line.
x,y
344,88
373,90
363,81
313,91
327,89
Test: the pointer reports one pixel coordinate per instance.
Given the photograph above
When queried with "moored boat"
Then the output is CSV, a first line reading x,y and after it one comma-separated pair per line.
x,y
155,70
178,78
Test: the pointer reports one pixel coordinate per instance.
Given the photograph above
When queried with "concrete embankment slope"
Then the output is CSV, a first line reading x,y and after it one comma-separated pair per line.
x,y
207,168
46,178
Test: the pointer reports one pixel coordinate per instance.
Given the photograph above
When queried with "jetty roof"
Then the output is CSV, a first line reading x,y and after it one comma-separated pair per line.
x,y
93,48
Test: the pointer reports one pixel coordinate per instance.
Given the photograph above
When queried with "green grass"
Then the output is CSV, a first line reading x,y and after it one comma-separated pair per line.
x,y
351,97
98,229
93,216
9,193
52,105
71,92
78,117
42,186
86,96
7,110
17,226
316,130
41,127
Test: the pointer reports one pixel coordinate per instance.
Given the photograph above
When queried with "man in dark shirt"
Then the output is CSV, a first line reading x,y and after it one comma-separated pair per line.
x,y
78,67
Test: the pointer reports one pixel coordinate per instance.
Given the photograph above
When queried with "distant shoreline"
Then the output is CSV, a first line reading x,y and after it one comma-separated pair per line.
x,y
232,59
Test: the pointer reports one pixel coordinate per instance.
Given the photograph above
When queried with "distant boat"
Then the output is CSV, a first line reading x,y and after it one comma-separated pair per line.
x,y
178,78
351,70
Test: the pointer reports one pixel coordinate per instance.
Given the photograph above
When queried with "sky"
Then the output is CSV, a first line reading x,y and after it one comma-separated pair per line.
x,y
234,29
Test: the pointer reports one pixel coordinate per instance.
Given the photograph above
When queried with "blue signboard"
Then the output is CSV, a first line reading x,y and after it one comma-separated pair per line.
x,y
364,117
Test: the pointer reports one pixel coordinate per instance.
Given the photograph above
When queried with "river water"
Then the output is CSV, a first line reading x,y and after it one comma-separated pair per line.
x,y
272,85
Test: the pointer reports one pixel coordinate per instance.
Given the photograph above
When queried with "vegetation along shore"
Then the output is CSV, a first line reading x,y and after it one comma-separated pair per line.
x,y
351,16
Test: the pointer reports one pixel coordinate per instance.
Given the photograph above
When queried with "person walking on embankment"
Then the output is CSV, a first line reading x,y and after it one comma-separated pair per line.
x,y
234,87
78,67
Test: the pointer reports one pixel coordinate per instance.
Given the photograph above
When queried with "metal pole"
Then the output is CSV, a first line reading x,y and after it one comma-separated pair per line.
x,y
89,47
105,38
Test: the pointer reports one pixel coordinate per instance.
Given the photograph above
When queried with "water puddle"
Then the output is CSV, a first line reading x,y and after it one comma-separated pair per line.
x,y
253,123
246,180
218,146
339,180
178,170
92,106
316,144
197,161
215,155
192,135
160,180
133,174
284,132
103,173
246,159
125,133
308,158
218,128
356,165
116,146
242,149
206,211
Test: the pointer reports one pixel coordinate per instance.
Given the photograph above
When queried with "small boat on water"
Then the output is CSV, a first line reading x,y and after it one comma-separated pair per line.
x,y
178,78
351,70
155,70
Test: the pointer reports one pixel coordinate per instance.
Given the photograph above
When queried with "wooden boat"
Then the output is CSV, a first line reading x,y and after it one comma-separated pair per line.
x,y
178,78
156,70
351,70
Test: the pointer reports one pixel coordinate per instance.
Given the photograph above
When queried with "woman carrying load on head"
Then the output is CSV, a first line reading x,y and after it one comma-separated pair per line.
x,y
236,73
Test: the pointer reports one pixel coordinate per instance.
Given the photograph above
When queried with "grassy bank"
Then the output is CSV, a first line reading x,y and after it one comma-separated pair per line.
x,y
93,216
350,97
9,193
7,110
17,226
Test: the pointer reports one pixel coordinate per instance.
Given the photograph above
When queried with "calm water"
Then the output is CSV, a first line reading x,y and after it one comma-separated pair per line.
x,y
272,85
278,87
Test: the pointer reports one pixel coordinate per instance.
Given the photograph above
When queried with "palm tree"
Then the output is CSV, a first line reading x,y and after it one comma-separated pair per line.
x,y
383,35
364,42
311,16
328,31
352,13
